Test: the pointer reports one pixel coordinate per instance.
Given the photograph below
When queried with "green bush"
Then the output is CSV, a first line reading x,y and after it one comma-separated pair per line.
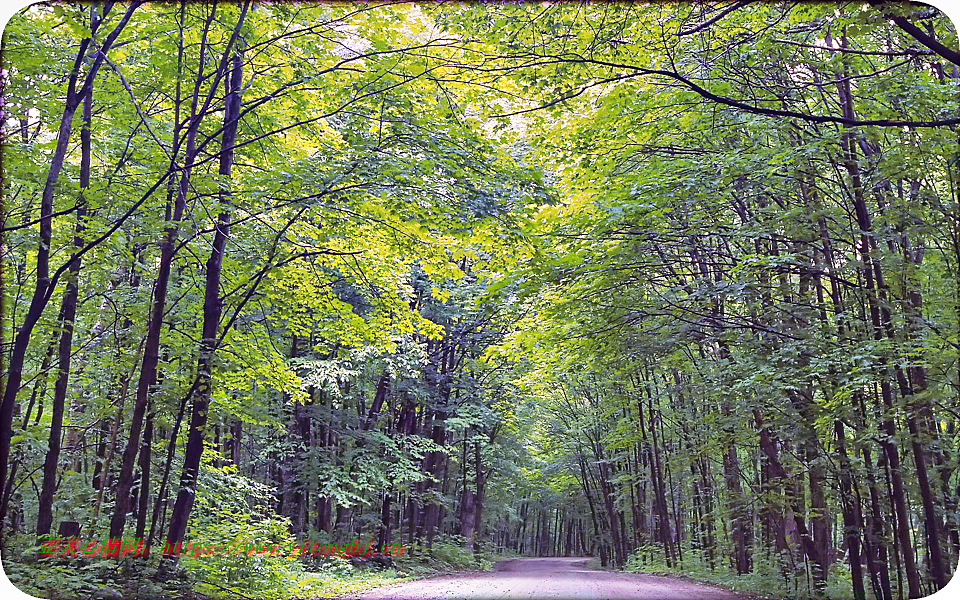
x,y
233,511
447,554
774,574
79,577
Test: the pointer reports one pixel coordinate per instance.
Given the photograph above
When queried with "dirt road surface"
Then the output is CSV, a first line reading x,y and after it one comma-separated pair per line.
x,y
553,578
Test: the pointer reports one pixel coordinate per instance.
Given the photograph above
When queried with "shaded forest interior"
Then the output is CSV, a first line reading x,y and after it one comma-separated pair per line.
x,y
673,285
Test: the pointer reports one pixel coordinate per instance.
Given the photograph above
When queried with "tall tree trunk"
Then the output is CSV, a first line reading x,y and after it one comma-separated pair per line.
x,y
435,462
212,307
145,456
873,277
656,477
852,519
68,313
290,486
43,290
768,444
741,529
151,354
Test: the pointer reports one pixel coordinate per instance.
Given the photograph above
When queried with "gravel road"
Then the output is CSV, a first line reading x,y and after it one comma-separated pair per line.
x,y
553,578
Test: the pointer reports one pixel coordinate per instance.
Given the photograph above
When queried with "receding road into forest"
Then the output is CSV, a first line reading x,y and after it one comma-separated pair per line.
x,y
554,578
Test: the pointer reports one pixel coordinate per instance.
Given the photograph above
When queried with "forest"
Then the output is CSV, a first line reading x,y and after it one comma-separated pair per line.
x,y
674,286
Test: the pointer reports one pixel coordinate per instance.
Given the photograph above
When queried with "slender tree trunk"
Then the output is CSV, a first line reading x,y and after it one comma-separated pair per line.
x,y
435,462
290,487
151,354
145,456
68,312
852,519
212,307
42,291
768,444
873,277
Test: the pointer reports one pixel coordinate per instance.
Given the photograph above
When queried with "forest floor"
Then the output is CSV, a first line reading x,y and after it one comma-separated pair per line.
x,y
555,578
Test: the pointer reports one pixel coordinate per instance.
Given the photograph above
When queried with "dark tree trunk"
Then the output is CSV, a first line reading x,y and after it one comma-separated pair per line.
x,y
852,519
435,462
290,487
383,537
873,276
100,453
212,307
145,455
68,313
768,444
151,353
656,478
468,513
233,444
43,290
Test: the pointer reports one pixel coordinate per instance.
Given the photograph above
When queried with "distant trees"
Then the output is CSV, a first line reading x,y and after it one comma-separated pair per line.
x,y
749,283
673,285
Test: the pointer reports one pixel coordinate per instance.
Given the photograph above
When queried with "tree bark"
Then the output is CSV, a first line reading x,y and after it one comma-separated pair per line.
x,y
212,307
68,313
151,354
43,290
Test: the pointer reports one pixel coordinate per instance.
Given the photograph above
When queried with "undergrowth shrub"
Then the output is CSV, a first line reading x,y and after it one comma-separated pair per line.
x,y
774,574
232,510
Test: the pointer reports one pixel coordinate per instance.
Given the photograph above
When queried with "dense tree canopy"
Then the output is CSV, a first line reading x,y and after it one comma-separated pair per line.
x,y
674,285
